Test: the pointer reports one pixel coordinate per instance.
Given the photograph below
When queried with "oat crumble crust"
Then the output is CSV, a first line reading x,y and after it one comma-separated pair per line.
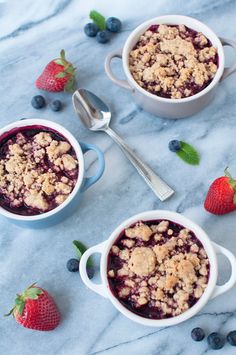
x,y
173,61
160,266
38,172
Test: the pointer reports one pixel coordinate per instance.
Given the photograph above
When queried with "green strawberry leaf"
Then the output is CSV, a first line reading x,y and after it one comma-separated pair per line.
x,y
232,182
70,69
32,293
70,85
98,19
188,154
20,307
62,74
80,248
59,61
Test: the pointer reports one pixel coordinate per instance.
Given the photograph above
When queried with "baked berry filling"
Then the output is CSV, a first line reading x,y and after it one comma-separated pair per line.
x,y
157,269
38,170
173,61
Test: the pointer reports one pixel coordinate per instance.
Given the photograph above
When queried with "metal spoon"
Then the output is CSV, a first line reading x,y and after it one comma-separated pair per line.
x,y
96,116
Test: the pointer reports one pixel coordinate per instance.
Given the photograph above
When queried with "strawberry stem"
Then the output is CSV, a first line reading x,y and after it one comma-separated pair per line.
x,y
9,313
63,55
232,181
227,173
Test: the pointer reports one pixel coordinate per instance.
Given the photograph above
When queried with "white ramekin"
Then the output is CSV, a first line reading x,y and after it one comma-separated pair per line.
x,y
211,248
83,183
164,107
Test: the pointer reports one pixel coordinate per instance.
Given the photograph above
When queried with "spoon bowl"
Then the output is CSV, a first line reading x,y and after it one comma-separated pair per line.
x,y
96,116
93,112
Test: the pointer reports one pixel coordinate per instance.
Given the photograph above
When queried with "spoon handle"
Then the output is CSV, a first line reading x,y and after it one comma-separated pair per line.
x,y
159,187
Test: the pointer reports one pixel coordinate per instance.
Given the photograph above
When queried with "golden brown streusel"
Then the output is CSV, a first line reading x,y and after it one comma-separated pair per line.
x,y
164,269
37,172
173,61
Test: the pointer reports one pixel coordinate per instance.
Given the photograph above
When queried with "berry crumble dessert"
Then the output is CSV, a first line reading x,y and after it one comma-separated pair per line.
x,y
38,170
157,269
173,61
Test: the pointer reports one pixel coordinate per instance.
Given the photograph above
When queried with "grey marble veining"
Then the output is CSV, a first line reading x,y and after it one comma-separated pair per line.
x,y
31,34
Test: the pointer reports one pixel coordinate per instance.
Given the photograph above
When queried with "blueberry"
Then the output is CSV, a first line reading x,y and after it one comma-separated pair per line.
x,y
197,334
231,338
90,271
38,102
91,29
72,265
56,105
103,37
215,341
174,145
113,24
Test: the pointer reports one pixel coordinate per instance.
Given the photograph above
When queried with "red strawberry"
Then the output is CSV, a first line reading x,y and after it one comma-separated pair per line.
x,y
221,197
58,75
36,309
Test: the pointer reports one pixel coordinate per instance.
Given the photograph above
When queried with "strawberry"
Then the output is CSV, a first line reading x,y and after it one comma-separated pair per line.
x,y
36,309
58,75
221,197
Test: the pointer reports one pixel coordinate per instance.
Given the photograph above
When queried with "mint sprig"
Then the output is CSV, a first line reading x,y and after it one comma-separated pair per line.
x,y
98,19
80,249
188,154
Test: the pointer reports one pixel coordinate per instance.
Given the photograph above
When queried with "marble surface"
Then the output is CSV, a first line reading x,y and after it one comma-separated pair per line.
x,y
32,33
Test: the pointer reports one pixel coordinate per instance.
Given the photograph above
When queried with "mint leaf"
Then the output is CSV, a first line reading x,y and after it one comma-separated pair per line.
x,y
98,19
80,248
188,154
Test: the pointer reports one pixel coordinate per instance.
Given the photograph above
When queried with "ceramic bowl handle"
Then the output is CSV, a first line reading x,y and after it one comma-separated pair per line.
x,y
232,69
115,54
98,288
89,181
232,280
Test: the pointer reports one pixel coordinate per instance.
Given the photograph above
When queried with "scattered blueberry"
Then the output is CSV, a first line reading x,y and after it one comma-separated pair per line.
x,y
113,24
215,341
56,105
103,36
91,29
38,102
174,145
231,338
90,271
72,265
197,334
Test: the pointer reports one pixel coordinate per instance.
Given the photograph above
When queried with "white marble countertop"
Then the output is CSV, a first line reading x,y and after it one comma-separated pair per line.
x,y
32,33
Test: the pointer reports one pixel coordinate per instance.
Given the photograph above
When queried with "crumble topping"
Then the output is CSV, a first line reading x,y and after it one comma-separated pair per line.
x,y
136,264
173,61
37,171
158,268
